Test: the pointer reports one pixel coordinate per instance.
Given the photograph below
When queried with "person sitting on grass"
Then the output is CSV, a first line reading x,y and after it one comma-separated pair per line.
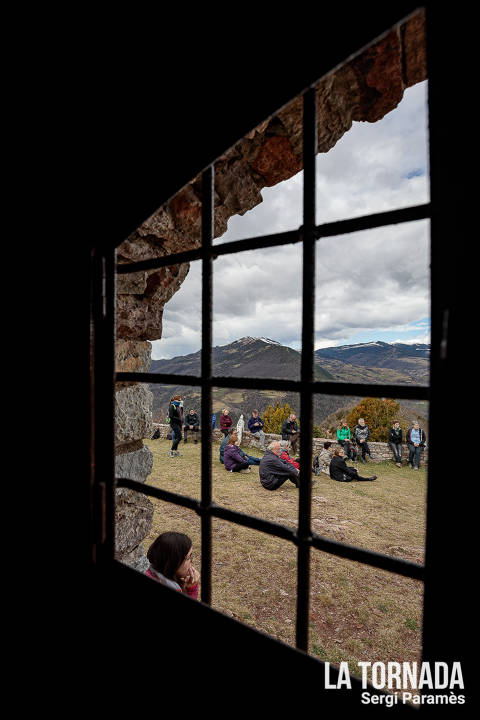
x,y
251,459
340,471
233,460
273,471
321,462
170,557
285,456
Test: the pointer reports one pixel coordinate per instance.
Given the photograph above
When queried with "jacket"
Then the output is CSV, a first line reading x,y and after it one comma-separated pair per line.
x,y
272,467
225,421
155,575
175,415
231,456
287,427
361,432
285,456
338,467
395,436
224,444
343,433
191,419
423,437
252,422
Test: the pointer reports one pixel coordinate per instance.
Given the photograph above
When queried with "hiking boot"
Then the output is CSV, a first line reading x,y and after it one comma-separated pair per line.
x,y
178,454
398,464
195,442
415,468
171,453
245,470
410,465
373,477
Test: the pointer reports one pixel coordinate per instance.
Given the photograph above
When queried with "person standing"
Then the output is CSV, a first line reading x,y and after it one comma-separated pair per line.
x,y
255,426
361,433
395,436
416,440
344,439
175,417
225,421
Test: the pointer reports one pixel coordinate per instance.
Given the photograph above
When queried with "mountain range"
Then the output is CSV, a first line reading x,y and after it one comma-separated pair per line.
x,y
374,362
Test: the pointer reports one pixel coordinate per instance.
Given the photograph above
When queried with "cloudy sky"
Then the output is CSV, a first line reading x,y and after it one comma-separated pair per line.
x,y
372,285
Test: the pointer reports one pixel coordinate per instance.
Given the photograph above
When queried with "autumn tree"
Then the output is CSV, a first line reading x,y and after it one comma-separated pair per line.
x,y
273,418
379,415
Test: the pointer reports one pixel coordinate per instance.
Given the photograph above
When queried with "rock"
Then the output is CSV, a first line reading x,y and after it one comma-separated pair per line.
x,y
133,413
131,356
135,465
133,520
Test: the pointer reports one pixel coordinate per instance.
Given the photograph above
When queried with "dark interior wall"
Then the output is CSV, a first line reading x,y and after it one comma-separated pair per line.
x,y
147,122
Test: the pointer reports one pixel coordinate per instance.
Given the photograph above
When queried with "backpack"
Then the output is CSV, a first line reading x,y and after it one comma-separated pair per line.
x,y
316,466
156,434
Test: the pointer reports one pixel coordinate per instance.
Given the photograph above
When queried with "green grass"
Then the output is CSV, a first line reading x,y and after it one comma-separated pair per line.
x,y
357,612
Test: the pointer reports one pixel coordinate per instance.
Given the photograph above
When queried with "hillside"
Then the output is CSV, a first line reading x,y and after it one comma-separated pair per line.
x,y
262,357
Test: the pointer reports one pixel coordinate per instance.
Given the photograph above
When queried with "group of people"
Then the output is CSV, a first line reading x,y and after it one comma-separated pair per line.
x,y
353,445
356,443
170,555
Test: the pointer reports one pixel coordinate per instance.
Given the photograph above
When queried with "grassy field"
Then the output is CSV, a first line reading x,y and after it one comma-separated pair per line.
x,y
357,612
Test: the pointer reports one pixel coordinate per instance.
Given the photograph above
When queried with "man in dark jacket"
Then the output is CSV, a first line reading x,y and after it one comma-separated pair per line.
x,y
290,431
395,442
192,423
416,440
273,471
340,471
255,426
361,433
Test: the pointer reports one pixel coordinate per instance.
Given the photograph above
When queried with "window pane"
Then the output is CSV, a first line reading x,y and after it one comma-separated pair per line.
x,y
254,579
359,614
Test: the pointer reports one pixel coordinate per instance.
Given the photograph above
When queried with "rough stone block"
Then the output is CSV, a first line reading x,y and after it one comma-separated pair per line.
x,y
133,413
135,465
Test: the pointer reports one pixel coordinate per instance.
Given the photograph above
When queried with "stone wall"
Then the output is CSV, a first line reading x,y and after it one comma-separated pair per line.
x,y
380,450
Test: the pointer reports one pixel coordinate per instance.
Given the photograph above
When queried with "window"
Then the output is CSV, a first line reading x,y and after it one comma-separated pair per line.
x,y
307,235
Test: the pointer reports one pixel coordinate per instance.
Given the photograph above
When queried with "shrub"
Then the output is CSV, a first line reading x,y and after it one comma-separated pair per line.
x,y
379,414
273,418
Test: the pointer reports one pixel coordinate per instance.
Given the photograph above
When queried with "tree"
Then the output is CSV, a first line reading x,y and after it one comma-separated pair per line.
x,y
379,415
273,417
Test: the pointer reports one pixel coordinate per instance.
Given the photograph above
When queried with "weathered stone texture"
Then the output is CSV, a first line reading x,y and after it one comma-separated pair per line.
x,y
133,520
133,413
135,465
131,356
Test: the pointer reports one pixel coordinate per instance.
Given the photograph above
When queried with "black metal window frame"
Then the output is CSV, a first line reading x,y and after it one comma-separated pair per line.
x,y
103,304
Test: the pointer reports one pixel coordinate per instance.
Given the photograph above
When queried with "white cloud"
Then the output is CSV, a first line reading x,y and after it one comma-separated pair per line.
x,y
371,282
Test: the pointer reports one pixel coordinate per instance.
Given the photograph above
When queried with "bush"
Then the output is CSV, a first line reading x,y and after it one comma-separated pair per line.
x,y
273,418
379,414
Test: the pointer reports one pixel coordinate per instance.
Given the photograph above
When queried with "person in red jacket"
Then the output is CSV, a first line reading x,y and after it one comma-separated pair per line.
x,y
170,557
285,456
225,421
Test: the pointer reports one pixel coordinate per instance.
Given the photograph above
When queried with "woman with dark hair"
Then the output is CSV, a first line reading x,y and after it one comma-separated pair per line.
x,y
175,416
170,557
340,471
232,459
